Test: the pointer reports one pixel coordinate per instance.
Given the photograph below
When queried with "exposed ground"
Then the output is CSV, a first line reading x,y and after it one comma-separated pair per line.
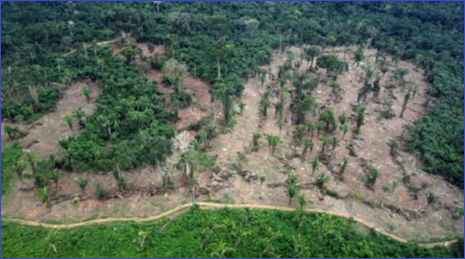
x,y
43,134
397,211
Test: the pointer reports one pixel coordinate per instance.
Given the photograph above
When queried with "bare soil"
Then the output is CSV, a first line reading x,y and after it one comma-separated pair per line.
x,y
413,219
43,134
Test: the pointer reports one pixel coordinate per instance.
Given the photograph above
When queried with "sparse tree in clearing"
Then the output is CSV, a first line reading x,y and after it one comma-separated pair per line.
x,y
311,53
329,119
262,78
79,114
280,125
44,195
432,198
345,161
255,137
55,177
310,128
69,121
342,119
322,179
176,71
264,104
224,92
324,142
18,169
86,92
394,146
302,201
344,128
372,176
12,132
299,133
360,120
273,141
376,87
358,56
82,183
278,107
334,142
308,145
404,105
318,126
314,164
242,107
291,187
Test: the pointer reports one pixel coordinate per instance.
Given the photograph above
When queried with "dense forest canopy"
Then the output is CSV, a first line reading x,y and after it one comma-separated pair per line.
x,y
223,233
231,39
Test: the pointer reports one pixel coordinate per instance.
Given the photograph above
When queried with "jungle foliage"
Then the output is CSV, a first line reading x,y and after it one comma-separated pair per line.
x,y
221,43
219,233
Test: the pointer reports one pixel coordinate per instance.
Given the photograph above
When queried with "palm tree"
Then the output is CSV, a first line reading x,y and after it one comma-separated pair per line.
x,y
291,186
360,120
273,141
79,114
322,179
280,125
44,195
344,128
82,183
334,142
324,142
264,104
404,105
311,53
55,176
86,92
342,118
69,120
318,126
308,144
18,169
345,161
302,201
242,106
255,137
314,164
394,146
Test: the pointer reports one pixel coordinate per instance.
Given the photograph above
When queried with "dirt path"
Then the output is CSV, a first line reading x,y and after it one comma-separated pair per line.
x,y
207,205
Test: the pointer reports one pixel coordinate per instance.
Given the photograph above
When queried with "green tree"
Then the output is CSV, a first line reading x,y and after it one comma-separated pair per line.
x,y
372,177
360,120
69,121
82,183
324,142
322,179
345,161
273,141
334,142
255,137
292,188
44,195
280,124
314,164
242,107
308,145
175,71
79,114
394,147
432,198
311,53
87,93
12,132
404,104
344,128
358,56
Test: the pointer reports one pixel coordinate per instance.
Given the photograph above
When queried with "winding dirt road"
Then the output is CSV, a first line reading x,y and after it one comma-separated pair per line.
x,y
207,205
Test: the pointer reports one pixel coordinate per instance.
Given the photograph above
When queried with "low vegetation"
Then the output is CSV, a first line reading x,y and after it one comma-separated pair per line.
x,y
217,233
